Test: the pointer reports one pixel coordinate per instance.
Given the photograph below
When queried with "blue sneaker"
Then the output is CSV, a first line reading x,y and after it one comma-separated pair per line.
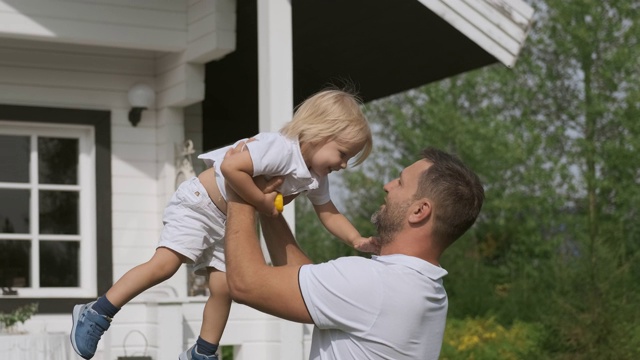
x,y
88,327
193,354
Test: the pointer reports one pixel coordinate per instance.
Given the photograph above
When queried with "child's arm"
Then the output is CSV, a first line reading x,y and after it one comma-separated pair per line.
x,y
341,227
237,169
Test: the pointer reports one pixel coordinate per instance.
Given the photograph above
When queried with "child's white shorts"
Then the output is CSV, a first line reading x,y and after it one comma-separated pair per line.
x,y
194,227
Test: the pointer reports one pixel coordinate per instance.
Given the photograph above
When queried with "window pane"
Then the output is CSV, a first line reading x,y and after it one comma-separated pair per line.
x,y
59,212
57,161
14,211
14,158
59,263
14,263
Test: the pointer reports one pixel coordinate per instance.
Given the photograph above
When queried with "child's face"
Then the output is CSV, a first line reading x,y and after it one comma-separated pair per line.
x,y
331,156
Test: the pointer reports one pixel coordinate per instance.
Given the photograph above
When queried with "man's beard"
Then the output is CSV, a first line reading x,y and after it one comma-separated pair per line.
x,y
389,220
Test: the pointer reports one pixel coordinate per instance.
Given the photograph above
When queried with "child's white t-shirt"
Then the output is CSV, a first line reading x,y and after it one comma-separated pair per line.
x,y
276,155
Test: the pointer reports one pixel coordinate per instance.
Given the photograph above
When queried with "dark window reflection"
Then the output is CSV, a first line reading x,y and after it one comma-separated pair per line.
x,y
14,211
14,158
59,264
15,262
59,212
57,161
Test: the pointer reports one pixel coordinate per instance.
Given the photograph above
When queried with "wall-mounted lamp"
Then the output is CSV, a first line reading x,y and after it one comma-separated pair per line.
x,y
141,97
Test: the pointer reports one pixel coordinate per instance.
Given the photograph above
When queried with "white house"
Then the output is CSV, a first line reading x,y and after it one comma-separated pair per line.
x,y
83,187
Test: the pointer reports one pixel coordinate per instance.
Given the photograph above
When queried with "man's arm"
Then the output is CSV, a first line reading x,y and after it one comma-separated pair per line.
x,y
282,246
273,290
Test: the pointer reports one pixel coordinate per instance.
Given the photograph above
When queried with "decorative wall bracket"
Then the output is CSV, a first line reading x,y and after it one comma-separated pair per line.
x,y
184,163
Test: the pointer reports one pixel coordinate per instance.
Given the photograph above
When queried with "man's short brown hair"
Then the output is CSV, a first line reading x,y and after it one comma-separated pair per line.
x,y
456,192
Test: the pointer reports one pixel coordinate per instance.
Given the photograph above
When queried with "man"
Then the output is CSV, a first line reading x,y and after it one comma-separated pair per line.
x,y
392,306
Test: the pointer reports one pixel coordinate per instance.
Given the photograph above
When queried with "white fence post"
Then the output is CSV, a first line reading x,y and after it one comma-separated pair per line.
x,y
170,329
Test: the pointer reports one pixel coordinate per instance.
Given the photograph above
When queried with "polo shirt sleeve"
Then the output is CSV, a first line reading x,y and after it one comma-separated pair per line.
x,y
341,294
271,155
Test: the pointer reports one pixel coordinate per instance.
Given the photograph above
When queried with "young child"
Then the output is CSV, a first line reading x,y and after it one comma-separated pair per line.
x,y
327,130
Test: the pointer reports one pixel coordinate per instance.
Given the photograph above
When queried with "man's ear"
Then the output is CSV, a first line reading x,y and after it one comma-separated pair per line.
x,y
421,211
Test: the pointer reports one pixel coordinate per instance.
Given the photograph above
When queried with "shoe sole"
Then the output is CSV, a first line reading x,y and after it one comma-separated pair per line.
x,y
184,356
75,316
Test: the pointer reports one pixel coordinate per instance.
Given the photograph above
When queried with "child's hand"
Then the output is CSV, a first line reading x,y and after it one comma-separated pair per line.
x,y
368,245
268,206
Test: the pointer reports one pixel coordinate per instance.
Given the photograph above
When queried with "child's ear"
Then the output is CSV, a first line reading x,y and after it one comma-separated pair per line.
x,y
421,210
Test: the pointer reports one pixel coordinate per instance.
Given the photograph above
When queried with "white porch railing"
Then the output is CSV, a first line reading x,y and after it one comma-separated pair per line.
x,y
162,329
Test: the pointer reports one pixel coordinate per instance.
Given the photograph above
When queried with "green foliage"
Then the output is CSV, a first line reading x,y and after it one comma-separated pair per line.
x,y
555,141
315,239
19,315
486,339
226,352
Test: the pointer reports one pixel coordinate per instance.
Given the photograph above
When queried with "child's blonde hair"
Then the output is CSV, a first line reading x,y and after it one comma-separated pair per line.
x,y
331,115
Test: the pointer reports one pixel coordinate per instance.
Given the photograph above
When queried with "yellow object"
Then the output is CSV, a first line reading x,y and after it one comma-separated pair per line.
x,y
279,202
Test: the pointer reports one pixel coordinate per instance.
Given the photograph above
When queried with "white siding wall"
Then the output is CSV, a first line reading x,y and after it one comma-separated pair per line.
x,y
150,24
66,76
94,78
211,29
86,54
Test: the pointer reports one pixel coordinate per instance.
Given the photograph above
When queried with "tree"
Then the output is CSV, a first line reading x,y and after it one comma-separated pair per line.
x,y
314,239
555,141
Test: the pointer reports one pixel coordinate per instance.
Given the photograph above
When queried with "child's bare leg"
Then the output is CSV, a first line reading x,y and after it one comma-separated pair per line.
x,y
216,310
91,320
162,265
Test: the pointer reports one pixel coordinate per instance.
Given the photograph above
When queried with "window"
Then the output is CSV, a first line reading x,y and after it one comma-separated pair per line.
x,y
47,212
55,221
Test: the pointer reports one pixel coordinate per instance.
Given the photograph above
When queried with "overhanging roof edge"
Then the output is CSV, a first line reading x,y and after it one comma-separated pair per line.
x,y
497,26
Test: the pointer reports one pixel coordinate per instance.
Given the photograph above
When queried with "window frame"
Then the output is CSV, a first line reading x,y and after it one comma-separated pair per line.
x,y
85,188
98,123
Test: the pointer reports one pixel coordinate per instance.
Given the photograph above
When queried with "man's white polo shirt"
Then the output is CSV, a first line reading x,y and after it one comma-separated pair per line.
x,y
388,307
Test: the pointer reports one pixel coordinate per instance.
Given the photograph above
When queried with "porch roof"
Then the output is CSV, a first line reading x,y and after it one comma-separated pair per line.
x,y
386,47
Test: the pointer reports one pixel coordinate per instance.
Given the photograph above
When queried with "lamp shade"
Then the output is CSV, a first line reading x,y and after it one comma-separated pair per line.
x,y
141,95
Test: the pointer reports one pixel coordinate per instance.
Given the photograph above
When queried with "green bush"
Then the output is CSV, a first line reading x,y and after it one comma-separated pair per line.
x,y
19,315
485,339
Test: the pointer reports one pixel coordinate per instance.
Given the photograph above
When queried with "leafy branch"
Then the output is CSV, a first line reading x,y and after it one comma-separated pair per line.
x,y
19,315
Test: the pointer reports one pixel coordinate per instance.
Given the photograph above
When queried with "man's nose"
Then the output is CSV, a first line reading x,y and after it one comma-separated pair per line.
x,y
387,186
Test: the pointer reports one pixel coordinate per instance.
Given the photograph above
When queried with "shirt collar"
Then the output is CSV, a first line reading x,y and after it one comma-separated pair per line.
x,y
424,267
